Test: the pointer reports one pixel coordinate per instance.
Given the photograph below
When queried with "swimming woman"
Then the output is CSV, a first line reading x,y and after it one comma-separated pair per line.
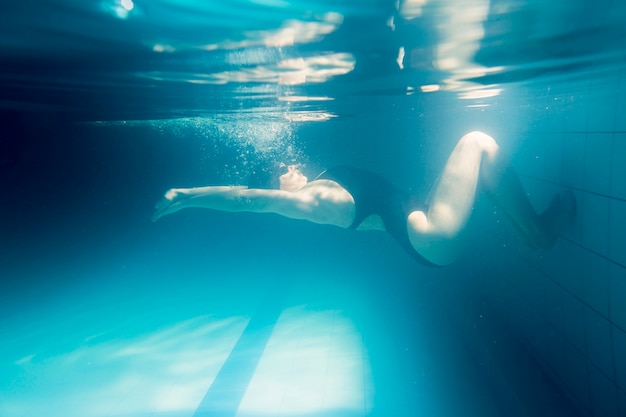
x,y
354,199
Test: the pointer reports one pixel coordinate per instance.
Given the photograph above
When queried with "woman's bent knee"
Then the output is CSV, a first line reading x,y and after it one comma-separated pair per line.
x,y
482,140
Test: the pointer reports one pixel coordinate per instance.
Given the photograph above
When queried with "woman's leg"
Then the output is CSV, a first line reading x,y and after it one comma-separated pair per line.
x,y
477,161
323,202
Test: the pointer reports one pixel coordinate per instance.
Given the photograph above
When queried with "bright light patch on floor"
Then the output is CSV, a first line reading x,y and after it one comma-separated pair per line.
x,y
314,362
167,371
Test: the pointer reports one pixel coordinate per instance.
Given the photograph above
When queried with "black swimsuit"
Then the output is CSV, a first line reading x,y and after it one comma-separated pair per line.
x,y
373,194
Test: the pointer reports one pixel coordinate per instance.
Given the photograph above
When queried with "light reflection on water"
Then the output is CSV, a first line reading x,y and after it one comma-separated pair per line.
x,y
412,46
290,71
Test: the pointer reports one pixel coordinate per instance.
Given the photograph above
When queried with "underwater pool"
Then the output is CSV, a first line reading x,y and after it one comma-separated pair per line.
x,y
105,105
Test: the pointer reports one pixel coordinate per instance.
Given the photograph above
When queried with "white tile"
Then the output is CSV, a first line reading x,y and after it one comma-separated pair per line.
x,y
537,293
526,318
621,402
616,13
369,395
574,320
574,231
594,212
603,394
617,276
554,113
553,157
598,163
539,192
556,351
298,398
573,161
618,296
550,263
602,118
535,335
596,282
529,159
567,260
620,111
335,400
577,376
554,305
619,353
577,109
598,341
518,285
617,233
618,166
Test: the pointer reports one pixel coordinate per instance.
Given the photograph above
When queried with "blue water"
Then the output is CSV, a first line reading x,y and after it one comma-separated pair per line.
x,y
105,105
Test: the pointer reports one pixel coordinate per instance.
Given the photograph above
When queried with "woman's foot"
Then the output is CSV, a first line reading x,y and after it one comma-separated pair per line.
x,y
557,217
